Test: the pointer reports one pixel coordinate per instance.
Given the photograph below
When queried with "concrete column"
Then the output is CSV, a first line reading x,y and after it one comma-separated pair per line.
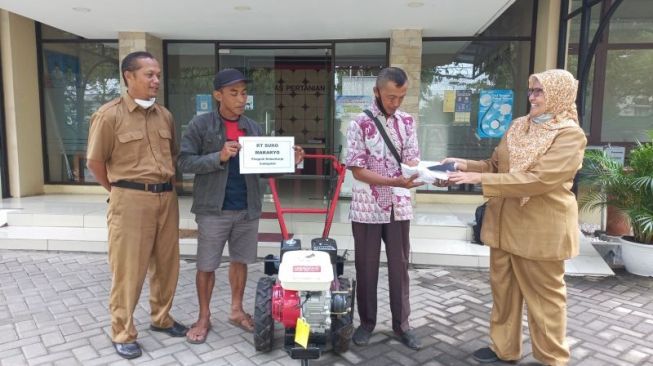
x,y
406,53
21,99
140,41
546,37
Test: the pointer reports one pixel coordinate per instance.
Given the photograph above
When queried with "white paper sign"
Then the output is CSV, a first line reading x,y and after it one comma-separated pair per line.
x,y
267,154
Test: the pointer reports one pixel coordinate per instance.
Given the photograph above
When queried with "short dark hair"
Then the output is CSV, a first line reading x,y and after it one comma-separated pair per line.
x,y
394,74
129,63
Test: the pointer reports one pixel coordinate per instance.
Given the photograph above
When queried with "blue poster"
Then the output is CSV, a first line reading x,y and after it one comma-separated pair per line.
x,y
203,103
463,101
494,112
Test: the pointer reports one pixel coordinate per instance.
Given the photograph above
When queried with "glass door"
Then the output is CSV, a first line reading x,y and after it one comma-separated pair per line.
x,y
290,95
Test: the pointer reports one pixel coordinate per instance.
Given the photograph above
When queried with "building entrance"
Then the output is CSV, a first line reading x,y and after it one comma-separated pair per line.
x,y
290,95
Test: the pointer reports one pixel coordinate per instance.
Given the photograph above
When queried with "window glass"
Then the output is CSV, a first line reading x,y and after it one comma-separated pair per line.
x,y
48,32
190,70
572,67
515,21
628,96
454,75
575,4
632,22
290,95
77,79
357,65
574,25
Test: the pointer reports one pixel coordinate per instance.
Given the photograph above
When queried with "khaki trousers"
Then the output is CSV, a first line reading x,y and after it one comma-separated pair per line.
x,y
143,234
541,283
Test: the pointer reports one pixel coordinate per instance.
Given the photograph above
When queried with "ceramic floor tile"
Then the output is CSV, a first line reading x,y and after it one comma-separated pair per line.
x,y
591,266
24,244
78,245
19,218
439,232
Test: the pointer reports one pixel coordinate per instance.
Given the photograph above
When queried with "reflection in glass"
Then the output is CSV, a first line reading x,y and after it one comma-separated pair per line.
x,y
290,95
585,116
78,78
448,127
574,24
628,98
357,65
632,22
515,21
190,70
48,32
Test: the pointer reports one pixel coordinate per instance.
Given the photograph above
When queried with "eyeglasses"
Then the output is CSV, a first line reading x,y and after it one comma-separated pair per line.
x,y
536,92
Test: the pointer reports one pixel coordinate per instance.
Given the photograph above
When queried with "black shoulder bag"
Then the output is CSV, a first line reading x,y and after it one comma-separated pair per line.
x,y
385,136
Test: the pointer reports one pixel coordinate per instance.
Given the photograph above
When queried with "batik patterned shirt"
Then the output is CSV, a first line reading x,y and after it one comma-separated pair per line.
x,y
373,204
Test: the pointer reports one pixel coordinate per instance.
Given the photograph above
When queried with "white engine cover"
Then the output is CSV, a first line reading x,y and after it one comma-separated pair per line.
x,y
306,270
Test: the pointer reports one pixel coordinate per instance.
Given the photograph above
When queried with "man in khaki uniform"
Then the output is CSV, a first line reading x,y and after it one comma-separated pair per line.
x,y
131,150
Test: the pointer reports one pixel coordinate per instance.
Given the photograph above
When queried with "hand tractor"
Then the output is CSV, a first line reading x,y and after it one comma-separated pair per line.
x,y
306,287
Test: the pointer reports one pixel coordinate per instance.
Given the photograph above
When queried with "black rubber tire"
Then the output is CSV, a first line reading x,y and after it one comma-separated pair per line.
x,y
342,326
263,321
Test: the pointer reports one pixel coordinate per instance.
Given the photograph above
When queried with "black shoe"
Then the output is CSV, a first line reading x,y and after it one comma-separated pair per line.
x,y
485,355
128,350
177,330
361,336
410,340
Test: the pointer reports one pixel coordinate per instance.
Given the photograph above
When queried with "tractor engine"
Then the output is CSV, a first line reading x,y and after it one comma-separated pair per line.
x,y
316,309
305,278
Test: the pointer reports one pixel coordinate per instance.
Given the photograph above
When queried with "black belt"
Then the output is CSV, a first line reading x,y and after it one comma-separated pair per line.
x,y
149,187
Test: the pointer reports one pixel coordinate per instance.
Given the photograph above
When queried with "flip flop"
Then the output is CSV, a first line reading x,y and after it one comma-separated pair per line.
x,y
201,339
243,322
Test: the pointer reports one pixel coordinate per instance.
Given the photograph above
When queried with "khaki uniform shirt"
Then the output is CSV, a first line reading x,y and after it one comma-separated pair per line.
x,y
136,144
546,227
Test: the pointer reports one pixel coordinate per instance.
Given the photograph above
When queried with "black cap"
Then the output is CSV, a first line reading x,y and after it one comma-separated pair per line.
x,y
227,77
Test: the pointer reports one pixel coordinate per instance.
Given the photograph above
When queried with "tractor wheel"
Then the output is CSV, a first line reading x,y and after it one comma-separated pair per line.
x,y
342,326
263,321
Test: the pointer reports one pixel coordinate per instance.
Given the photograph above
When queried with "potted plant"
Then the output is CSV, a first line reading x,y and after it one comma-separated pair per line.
x,y
629,190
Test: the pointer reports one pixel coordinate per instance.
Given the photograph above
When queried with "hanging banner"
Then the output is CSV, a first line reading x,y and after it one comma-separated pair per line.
x,y
494,112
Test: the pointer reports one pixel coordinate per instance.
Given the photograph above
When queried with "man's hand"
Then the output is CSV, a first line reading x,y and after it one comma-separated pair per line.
x,y
460,164
299,154
404,182
464,178
229,150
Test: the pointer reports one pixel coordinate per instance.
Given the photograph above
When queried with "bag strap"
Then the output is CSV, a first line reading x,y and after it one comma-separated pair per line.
x,y
385,136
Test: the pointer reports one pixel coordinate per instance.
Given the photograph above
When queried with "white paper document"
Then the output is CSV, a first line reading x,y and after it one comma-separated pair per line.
x,y
265,154
426,175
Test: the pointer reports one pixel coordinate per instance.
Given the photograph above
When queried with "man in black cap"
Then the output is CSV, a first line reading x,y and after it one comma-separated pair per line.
x,y
226,203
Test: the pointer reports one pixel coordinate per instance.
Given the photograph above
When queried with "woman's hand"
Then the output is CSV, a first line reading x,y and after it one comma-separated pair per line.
x,y
460,164
464,178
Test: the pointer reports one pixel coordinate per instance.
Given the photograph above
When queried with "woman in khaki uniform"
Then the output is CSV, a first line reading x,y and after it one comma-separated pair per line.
x,y
531,220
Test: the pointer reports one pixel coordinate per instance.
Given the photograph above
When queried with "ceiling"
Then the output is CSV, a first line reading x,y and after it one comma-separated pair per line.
x,y
261,19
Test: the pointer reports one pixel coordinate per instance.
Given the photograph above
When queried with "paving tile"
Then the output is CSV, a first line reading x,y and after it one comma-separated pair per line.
x,y
53,310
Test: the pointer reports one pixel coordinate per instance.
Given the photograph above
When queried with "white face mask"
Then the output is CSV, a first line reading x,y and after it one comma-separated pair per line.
x,y
145,103
542,118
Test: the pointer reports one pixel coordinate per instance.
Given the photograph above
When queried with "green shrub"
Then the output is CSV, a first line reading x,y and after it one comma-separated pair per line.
x,y
629,189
